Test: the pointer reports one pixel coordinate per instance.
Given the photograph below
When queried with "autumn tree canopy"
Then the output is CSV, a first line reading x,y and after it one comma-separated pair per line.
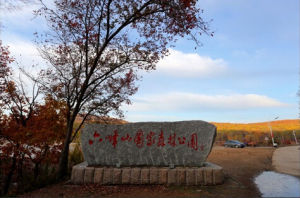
x,y
30,130
95,49
5,60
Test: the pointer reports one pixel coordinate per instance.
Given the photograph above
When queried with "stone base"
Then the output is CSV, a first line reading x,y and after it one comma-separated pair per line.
x,y
209,174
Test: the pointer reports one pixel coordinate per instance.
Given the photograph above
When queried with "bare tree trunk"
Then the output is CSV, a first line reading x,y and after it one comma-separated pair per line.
x,y
20,173
63,160
9,175
36,170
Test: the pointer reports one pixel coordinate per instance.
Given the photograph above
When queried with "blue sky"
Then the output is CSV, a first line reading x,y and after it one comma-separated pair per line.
x,y
247,72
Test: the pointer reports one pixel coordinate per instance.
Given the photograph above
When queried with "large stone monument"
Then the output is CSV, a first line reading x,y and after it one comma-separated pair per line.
x,y
133,153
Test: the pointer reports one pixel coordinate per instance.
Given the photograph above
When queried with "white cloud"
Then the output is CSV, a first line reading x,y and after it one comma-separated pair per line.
x,y
26,55
17,9
24,52
20,17
181,64
190,102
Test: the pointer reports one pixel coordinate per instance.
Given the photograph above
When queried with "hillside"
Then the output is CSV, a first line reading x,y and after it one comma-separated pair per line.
x,y
259,133
260,127
102,120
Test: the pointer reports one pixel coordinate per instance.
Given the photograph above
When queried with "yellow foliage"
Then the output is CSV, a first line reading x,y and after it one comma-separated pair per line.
x,y
261,127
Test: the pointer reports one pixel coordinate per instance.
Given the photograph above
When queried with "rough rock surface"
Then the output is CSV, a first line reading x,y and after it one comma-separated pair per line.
x,y
209,174
184,143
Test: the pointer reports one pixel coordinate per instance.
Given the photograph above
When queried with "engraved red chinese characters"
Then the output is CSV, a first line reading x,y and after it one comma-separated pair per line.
x,y
161,139
181,140
172,139
96,134
113,139
193,143
126,138
139,138
150,138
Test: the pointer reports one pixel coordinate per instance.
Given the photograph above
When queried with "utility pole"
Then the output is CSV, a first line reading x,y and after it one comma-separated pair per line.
x,y
271,133
295,137
272,136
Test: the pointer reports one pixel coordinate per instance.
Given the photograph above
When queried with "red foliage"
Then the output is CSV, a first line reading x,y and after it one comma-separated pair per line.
x,y
39,138
5,59
30,133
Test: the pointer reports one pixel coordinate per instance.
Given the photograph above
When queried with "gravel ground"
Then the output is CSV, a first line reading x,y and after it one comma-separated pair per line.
x,y
287,160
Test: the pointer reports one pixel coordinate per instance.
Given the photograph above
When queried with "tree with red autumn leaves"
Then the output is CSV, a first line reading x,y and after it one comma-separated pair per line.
x,y
31,132
95,49
5,60
34,141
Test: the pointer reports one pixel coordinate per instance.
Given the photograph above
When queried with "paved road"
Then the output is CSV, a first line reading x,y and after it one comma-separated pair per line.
x,y
287,160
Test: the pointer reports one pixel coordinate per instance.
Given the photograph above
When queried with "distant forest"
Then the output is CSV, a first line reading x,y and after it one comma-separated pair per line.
x,y
259,133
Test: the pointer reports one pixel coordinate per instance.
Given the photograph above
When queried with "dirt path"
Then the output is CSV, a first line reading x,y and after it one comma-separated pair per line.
x,y
287,160
240,167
